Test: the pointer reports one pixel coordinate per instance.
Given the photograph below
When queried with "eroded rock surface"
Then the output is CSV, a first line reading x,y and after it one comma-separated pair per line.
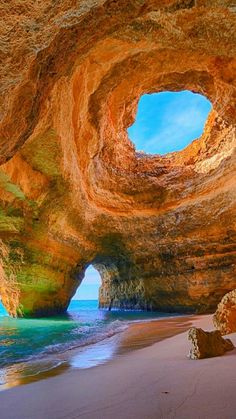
x,y
225,316
207,344
74,192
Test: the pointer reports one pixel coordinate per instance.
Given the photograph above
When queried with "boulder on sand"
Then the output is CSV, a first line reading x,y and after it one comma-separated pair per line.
x,y
207,344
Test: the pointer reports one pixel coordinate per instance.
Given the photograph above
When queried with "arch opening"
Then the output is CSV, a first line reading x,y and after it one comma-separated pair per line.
x,y
89,287
168,121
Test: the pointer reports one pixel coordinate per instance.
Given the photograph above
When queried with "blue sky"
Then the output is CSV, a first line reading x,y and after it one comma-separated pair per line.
x,y
88,290
168,121
165,122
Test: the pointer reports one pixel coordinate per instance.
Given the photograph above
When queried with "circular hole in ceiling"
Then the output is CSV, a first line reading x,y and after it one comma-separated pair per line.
x,y
168,121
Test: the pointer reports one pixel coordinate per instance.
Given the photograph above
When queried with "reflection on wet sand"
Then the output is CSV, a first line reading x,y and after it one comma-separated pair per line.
x,y
137,336
140,335
26,373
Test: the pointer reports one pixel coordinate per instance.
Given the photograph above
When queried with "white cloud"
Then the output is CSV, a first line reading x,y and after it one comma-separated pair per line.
x,y
170,122
178,128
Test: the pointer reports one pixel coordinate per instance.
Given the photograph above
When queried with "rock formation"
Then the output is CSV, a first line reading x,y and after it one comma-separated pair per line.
x,y
73,189
225,316
207,344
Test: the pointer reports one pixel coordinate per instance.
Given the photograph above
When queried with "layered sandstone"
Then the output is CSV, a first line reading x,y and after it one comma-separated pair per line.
x,y
74,191
225,315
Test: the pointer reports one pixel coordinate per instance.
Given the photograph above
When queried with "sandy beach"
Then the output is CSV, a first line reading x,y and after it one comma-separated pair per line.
x,y
157,381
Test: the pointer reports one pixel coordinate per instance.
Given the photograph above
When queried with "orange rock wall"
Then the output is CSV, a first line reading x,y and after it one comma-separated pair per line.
x,y
225,316
73,190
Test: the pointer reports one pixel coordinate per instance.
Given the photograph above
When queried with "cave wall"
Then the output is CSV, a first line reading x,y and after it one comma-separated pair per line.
x,y
161,230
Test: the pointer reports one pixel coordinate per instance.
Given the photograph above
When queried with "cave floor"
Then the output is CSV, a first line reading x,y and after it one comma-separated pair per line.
x,y
154,382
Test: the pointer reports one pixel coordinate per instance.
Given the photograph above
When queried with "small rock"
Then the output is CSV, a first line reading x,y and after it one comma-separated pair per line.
x,y
207,344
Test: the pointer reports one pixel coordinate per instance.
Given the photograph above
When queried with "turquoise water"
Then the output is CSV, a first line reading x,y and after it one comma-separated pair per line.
x,y
34,345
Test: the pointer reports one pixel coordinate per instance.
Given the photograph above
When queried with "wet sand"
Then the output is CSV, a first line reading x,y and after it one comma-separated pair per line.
x,y
153,382
139,334
142,334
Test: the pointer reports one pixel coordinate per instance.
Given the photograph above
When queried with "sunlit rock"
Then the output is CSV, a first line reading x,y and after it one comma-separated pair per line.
x,y
225,315
73,191
207,344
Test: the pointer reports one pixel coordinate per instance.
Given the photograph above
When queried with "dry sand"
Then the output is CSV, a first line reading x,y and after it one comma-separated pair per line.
x,y
154,382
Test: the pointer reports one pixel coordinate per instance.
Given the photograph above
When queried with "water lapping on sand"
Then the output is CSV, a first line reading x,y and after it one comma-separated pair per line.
x,y
29,347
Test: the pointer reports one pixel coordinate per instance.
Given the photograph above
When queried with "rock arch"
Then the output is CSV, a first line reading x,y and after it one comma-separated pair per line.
x,y
160,229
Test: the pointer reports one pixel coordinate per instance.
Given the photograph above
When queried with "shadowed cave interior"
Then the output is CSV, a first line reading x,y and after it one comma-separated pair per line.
x,y
159,228
184,114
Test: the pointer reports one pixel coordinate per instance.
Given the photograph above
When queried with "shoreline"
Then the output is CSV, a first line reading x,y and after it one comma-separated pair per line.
x,y
136,334
157,381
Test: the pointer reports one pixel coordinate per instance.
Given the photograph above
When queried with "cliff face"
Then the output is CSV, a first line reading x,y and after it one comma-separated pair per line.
x,y
73,191
225,316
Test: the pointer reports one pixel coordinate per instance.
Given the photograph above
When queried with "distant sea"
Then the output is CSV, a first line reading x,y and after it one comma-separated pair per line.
x,y
82,338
